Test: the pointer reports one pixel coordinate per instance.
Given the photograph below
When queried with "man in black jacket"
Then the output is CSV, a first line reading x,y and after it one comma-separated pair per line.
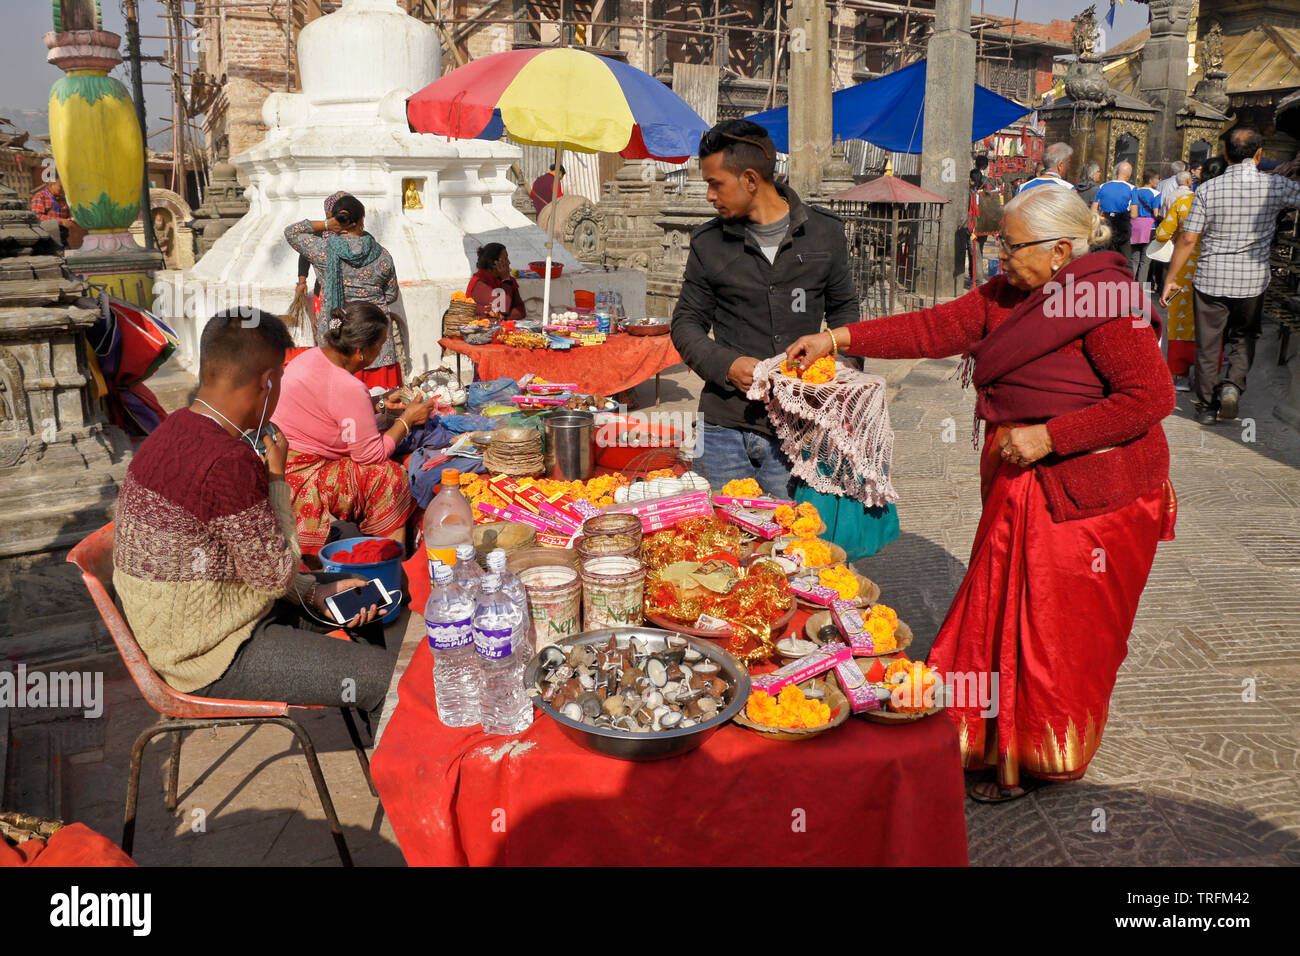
x,y
767,270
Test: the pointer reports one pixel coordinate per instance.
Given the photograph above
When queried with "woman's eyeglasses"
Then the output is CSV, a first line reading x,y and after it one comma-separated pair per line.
x,y
1010,247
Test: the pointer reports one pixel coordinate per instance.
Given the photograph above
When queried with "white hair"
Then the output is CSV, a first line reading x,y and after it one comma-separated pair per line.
x,y
1183,178
1049,213
1177,166
1056,154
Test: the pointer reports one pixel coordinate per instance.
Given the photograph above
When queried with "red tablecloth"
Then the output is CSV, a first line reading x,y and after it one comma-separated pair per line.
x,y
74,845
623,362
861,795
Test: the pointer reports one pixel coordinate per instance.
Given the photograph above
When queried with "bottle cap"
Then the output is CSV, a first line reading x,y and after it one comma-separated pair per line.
x,y
450,476
442,574
496,560
464,550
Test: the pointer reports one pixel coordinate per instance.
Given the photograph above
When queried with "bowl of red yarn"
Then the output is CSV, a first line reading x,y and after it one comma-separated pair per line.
x,y
368,558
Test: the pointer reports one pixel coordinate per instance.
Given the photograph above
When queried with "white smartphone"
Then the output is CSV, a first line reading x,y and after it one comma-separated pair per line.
x,y
345,605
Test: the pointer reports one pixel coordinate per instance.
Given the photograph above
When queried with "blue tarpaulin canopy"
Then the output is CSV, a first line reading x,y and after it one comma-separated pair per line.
x,y
889,112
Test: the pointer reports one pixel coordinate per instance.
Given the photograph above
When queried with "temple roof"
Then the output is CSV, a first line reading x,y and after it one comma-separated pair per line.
x,y
1262,60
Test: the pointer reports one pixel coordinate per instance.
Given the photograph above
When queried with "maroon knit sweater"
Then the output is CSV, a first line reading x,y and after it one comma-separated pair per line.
x,y
1139,393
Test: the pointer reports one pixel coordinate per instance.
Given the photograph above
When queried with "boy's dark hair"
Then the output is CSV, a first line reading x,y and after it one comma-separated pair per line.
x,y
744,145
489,254
1242,144
361,325
239,345
1214,166
348,211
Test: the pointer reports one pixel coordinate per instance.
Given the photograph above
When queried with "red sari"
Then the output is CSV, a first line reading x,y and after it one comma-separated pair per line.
x,y
1046,606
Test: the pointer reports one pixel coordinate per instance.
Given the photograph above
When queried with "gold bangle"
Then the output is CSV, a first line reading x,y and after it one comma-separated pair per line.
x,y
835,346
402,422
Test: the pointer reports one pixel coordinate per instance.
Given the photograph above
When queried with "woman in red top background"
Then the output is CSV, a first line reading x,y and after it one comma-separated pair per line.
x,y
492,287
1074,480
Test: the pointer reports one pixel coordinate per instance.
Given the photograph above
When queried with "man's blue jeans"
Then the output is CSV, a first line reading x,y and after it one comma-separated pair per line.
x,y
731,453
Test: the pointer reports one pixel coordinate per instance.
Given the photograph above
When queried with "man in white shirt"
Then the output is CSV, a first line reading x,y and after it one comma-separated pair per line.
x,y
1056,164
1169,186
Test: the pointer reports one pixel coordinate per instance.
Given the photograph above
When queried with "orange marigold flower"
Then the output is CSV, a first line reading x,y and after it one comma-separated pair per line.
x,y
840,579
784,516
806,526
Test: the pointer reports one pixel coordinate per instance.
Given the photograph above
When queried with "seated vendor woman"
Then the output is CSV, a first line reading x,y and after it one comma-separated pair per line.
x,y
492,287
340,466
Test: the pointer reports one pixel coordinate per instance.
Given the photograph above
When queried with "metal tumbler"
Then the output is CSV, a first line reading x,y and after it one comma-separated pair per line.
x,y
570,453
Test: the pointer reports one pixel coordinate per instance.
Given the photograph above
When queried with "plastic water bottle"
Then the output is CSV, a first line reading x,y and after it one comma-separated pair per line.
x,y
457,678
448,522
515,590
467,572
505,708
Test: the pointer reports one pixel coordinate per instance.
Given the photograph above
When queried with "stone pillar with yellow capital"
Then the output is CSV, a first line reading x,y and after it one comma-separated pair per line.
x,y
98,152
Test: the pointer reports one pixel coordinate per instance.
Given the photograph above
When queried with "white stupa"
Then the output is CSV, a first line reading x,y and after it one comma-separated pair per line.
x,y
347,130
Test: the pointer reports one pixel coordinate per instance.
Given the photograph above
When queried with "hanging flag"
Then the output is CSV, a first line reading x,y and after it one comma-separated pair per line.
x,y
1110,15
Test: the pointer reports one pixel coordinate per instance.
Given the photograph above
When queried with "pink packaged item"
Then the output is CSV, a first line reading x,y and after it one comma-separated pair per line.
x,y
764,529
665,512
551,388
813,592
848,618
759,504
862,696
819,662
512,513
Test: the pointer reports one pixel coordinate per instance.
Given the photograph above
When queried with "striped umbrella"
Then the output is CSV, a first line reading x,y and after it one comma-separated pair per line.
x,y
560,98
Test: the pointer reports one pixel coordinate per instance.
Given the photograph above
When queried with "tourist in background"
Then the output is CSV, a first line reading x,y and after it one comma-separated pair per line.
x,y
1056,166
1114,202
354,268
492,287
1146,210
1234,216
1167,186
1075,463
340,466
1159,268
1089,183
1181,353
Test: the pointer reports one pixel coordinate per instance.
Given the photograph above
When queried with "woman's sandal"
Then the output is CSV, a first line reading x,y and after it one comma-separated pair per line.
x,y
1006,794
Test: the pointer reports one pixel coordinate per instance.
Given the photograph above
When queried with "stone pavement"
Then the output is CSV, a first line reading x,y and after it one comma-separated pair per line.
x,y
1200,763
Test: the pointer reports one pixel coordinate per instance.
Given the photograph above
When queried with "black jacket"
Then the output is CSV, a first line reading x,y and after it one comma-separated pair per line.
x,y
756,308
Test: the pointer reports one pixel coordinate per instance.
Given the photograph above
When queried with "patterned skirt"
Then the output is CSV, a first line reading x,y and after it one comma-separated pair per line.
x,y
375,497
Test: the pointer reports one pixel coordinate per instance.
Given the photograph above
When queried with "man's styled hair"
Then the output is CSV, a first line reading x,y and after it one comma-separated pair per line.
x,y
743,145
239,345
1242,144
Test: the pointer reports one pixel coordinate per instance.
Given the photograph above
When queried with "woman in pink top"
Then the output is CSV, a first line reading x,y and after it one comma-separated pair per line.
x,y
339,466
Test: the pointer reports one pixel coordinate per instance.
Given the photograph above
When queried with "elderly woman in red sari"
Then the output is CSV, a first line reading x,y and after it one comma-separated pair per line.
x,y
340,466
1074,479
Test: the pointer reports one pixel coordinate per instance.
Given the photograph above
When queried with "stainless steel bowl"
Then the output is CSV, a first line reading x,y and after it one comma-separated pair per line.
x,y
656,745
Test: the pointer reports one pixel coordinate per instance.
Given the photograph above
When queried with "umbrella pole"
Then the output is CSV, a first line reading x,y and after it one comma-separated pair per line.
x,y
550,238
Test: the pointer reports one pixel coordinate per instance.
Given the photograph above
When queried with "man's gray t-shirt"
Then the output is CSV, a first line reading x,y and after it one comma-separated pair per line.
x,y
769,237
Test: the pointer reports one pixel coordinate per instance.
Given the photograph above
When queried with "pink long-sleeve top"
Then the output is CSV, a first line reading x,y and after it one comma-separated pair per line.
x,y
325,411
